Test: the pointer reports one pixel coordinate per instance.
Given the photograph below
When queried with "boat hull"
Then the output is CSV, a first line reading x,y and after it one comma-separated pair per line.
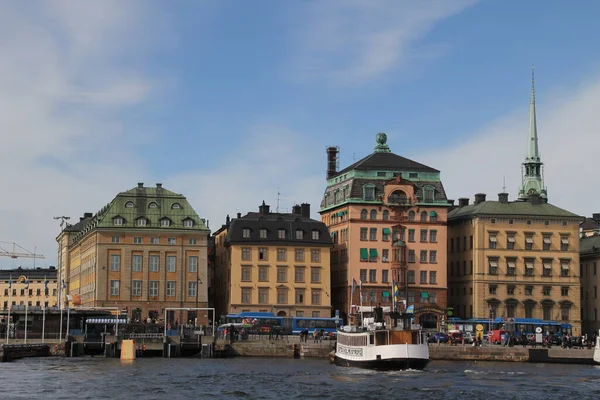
x,y
392,364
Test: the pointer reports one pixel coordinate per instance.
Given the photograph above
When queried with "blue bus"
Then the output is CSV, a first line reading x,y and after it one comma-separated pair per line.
x,y
516,325
264,322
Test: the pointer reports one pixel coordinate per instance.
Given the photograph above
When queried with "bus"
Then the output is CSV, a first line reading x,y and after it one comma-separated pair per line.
x,y
264,322
515,325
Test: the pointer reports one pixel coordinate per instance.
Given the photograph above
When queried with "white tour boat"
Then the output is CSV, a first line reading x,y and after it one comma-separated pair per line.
x,y
381,347
597,349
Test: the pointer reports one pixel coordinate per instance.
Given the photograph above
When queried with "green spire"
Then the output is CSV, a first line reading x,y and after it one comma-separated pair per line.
x,y
533,151
381,146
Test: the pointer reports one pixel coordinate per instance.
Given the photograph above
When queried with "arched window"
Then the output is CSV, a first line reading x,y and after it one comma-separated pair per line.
x,y
363,214
397,197
176,206
129,204
373,214
386,215
424,216
369,192
433,216
153,205
411,215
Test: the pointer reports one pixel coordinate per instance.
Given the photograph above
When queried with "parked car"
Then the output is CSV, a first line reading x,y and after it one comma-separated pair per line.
x,y
438,337
468,337
455,337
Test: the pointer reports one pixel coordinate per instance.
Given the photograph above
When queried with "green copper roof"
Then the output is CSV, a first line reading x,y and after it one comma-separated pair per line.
x,y
516,208
589,245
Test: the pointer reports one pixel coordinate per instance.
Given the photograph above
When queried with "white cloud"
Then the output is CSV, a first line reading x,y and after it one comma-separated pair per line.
x,y
68,72
568,142
269,158
355,41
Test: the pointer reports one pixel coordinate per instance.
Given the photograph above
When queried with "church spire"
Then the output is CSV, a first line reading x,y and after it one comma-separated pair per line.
x,y
532,180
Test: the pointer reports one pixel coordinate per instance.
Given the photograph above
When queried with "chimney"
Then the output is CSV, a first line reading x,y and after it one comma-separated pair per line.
x,y
297,210
479,198
263,209
503,197
87,215
140,185
596,217
159,185
332,152
463,201
451,202
305,210
227,220
239,215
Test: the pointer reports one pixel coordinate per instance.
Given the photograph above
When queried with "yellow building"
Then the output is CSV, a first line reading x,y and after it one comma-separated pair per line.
x,y
144,251
590,282
34,287
273,262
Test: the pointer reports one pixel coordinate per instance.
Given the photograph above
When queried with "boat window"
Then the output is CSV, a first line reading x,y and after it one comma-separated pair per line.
x,y
371,339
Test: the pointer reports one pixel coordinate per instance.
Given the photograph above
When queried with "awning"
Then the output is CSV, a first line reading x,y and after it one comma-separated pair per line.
x,y
547,239
386,231
529,264
564,240
548,264
433,214
511,264
511,239
373,253
493,238
564,265
332,234
364,254
424,295
493,263
385,293
528,239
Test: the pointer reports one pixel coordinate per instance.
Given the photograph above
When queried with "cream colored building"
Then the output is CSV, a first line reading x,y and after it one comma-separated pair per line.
x,y
32,287
273,262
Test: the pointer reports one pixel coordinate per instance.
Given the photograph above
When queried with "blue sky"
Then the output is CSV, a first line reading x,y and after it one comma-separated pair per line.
x,y
228,102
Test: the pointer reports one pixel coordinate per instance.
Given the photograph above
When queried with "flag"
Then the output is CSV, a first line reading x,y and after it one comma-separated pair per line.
x,y
26,284
64,285
46,290
10,282
353,285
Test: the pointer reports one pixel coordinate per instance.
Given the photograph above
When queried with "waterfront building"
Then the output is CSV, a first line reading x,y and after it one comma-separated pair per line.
x,y
590,226
516,259
589,251
144,251
32,287
387,216
273,262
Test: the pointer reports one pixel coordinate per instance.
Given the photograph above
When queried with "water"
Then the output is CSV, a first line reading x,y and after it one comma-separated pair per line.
x,y
264,378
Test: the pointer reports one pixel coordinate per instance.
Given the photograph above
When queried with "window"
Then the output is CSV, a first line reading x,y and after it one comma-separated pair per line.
x,y
299,274
245,233
281,254
510,290
299,313
262,233
373,214
423,235
385,235
363,233
411,235
299,234
154,240
315,255
137,240
432,297
192,287
115,262
172,241
153,263
564,267
564,291
411,277
263,296
373,234
451,245
188,223
316,314
493,289
136,288
369,192
547,264
170,288
510,241
423,216
363,214
246,295
118,221
547,242
411,256
423,257
263,274
528,242
153,205
246,274
114,288
281,234
564,243
136,263
316,235
433,236
246,254
493,266
192,241
529,266
546,292
423,277
315,297
411,215
299,254
315,275
547,310
115,239
282,296
364,254
511,266
385,276
263,253
141,222
171,263
129,204
165,222
281,274
564,312
493,240
385,255
433,256
386,215
372,275
153,288
299,296
363,275
411,297
433,277
193,264
428,194
528,292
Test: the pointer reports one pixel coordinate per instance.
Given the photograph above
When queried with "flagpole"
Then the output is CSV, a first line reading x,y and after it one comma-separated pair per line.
x,y
26,309
9,307
43,322
361,305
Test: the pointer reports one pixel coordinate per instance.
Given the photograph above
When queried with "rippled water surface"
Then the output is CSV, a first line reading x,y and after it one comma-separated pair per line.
x,y
252,378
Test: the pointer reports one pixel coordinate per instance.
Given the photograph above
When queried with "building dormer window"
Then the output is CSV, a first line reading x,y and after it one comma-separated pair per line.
x,y
165,222
246,233
129,204
263,233
369,192
176,206
141,222
336,196
188,223
299,234
118,221
281,234
153,205
397,197
363,214
428,194
315,235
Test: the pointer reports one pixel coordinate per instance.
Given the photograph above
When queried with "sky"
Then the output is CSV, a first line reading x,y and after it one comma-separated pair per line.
x,y
231,103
